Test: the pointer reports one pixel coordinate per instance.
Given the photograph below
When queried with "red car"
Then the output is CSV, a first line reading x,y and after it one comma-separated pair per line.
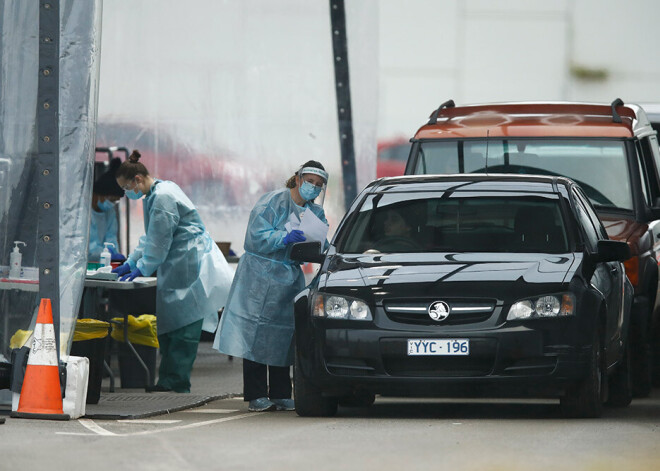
x,y
392,156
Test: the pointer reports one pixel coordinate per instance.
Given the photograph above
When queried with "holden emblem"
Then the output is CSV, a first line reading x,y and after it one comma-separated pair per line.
x,y
439,311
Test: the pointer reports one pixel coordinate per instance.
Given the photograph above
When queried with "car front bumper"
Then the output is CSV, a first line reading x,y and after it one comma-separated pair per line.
x,y
516,361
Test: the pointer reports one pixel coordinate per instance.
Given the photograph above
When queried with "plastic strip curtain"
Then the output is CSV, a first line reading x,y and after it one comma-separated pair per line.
x,y
80,28
228,99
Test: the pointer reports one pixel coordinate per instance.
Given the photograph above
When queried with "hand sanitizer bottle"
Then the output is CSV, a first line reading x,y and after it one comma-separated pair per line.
x,y
15,259
106,256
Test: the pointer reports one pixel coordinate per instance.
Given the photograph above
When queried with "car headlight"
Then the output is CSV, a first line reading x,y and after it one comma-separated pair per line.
x,y
551,305
340,307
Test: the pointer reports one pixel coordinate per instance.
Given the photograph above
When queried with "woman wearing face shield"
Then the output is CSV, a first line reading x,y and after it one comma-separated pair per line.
x,y
257,323
193,275
103,225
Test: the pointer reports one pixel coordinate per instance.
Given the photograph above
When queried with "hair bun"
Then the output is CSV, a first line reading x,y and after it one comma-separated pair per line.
x,y
135,156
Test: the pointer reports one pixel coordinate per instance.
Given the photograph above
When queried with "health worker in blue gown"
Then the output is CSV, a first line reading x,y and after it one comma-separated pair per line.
x,y
103,224
193,275
103,228
257,323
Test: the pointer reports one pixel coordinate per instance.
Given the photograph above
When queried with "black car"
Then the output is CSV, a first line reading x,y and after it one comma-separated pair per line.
x,y
465,286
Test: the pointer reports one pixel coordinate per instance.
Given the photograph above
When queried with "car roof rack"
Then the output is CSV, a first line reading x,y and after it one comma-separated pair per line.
x,y
434,116
615,116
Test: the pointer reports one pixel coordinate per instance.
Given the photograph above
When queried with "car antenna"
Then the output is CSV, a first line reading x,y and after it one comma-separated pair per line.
x,y
487,134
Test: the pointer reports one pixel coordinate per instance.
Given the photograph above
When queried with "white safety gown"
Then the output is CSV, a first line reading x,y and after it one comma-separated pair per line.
x,y
257,322
193,276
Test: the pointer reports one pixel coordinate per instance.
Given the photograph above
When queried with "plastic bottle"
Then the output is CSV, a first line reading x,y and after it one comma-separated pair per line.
x,y
15,259
106,256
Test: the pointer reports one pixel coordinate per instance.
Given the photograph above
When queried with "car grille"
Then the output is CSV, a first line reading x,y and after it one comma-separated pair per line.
x,y
461,311
480,362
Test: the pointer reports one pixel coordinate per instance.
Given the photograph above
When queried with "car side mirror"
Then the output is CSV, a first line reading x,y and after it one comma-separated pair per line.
x,y
307,252
612,251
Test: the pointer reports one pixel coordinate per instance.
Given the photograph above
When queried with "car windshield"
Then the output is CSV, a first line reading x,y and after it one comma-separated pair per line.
x,y
598,166
456,222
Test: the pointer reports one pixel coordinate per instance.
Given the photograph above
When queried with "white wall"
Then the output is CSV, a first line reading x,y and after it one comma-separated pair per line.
x,y
483,51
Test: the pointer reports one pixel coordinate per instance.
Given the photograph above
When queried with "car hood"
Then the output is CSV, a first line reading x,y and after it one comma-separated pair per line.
x,y
501,277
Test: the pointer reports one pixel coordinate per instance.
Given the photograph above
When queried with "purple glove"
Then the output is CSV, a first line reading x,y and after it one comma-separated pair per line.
x,y
116,256
122,269
293,237
132,275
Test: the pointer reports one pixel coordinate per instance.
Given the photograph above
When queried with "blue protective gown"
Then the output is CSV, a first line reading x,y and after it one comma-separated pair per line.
x,y
193,275
257,322
102,228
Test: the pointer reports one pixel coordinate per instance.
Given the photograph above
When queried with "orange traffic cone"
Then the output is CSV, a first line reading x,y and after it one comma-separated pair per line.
x,y
41,397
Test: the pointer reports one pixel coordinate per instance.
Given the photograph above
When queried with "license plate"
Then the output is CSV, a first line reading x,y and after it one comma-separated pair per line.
x,y
438,346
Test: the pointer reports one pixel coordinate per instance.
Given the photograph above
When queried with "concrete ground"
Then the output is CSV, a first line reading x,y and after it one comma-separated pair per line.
x,y
214,376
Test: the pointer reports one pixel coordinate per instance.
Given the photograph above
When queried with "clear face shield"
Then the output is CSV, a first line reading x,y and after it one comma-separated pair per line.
x,y
309,188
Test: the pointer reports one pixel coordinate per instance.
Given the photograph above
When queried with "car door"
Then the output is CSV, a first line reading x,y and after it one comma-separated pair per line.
x,y
648,161
608,277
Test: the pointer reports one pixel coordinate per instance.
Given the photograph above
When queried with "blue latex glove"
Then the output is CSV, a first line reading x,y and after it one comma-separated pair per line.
x,y
116,256
122,269
132,275
293,237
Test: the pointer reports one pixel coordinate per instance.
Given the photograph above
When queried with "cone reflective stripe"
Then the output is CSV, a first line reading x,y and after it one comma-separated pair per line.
x,y
41,396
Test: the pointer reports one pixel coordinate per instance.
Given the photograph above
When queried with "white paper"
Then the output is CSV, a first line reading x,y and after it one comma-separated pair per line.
x,y
313,228
293,223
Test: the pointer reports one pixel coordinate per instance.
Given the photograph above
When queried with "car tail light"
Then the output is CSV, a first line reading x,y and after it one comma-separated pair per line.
x,y
632,269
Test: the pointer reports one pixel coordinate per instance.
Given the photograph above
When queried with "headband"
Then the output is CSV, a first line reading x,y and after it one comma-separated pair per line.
x,y
316,171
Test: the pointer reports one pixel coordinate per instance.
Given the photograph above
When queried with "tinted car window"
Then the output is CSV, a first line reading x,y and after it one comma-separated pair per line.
x,y
590,231
655,151
598,166
648,158
644,184
593,217
456,222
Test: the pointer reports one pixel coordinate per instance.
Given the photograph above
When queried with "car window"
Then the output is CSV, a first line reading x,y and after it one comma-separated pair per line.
x,y
593,217
447,157
599,166
457,222
649,171
644,184
655,152
588,228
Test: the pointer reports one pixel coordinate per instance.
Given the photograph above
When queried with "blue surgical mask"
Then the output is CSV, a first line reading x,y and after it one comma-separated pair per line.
x,y
309,191
105,205
133,195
